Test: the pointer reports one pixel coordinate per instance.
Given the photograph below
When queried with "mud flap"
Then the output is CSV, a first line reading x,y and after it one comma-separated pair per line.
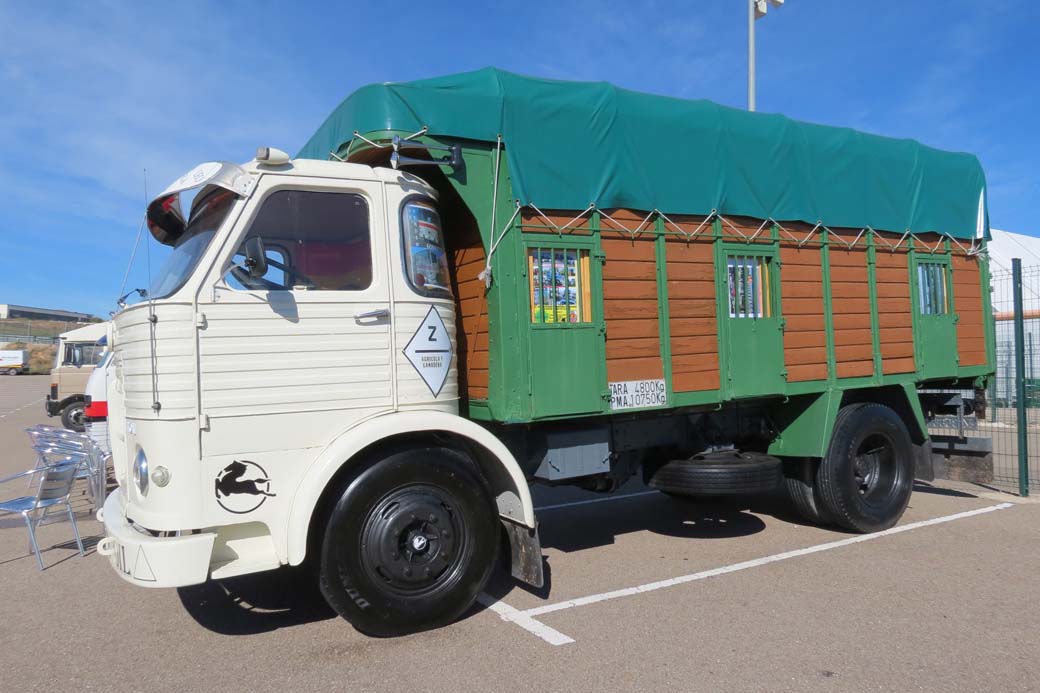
x,y
924,465
525,553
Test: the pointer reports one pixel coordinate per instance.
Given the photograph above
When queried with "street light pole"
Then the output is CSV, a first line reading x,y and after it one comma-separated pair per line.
x,y
751,54
756,10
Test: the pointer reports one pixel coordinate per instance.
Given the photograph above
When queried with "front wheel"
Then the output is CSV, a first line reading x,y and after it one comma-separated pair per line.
x,y
72,417
12,371
409,544
865,481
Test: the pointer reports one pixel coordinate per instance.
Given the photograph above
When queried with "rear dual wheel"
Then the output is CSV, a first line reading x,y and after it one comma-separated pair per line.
x,y
409,544
864,482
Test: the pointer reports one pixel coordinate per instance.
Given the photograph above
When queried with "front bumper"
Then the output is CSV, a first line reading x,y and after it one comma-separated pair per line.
x,y
52,406
150,561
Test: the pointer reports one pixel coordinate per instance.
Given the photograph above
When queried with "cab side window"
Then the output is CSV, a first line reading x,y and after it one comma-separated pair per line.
x,y
319,241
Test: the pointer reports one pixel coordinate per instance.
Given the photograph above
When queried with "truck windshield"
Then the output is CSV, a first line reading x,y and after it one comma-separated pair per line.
x,y
207,214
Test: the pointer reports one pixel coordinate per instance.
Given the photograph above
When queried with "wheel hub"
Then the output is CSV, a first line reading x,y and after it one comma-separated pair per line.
x,y
873,458
409,542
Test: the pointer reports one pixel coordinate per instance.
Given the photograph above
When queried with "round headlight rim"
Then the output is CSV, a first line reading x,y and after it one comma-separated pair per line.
x,y
140,471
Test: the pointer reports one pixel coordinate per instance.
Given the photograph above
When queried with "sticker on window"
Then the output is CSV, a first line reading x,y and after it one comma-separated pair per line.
x,y
425,256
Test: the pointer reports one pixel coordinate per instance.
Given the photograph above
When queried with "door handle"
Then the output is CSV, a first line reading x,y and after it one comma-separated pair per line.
x,y
373,314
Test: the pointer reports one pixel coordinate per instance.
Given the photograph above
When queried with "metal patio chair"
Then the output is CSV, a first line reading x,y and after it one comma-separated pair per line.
x,y
54,445
53,491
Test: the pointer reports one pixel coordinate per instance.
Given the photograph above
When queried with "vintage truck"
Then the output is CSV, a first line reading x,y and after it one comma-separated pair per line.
x,y
76,355
487,280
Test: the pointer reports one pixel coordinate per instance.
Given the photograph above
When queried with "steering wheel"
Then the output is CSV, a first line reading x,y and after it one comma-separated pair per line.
x,y
299,278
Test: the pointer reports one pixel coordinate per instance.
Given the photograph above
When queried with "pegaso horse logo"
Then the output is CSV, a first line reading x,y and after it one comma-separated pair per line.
x,y
242,487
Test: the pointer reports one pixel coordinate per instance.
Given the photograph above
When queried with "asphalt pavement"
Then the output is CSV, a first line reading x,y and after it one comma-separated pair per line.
x,y
645,592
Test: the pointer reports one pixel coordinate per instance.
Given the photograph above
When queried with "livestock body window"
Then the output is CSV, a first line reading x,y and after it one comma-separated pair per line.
x,y
748,280
931,288
560,285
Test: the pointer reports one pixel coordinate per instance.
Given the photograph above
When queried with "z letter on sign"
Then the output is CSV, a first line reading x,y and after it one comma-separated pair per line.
x,y
429,351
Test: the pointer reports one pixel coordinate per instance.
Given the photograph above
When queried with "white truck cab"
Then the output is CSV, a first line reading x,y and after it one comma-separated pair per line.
x,y
299,338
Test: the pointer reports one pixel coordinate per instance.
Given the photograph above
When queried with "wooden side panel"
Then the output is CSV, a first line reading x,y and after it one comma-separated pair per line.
x,y
801,296
690,269
633,343
850,296
554,219
746,228
967,302
895,320
471,334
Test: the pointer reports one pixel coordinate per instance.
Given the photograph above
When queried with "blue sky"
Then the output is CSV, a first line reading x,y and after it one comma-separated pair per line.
x,y
94,94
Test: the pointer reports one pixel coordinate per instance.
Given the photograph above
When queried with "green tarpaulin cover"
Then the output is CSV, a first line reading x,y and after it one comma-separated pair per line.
x,y
569,144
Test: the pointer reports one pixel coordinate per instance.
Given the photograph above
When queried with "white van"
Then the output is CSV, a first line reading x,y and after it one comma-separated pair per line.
x,y
14,361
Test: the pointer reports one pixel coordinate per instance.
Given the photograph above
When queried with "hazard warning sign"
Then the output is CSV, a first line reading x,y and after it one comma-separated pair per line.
x,y
429,351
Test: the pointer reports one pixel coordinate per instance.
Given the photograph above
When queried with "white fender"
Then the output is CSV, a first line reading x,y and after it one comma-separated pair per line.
x,y
509,486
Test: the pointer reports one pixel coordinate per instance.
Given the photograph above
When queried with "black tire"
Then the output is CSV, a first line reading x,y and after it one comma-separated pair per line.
x,y
12,371
718,475
800,482
72,416
865,481
410,543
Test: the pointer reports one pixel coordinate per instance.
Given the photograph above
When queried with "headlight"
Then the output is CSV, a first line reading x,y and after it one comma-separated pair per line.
x,y
140,471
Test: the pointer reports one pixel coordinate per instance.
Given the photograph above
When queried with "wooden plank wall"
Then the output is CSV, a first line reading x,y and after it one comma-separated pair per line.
x,y
967,302
895,311
630,305
471,335
850,298
801,296
533,222
690,268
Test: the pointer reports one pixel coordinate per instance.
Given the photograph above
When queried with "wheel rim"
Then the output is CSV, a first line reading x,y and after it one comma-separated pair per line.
x,y
414,540
76,416
874,469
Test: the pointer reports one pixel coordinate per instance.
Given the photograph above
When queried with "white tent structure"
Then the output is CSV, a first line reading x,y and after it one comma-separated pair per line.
x,y
1002,248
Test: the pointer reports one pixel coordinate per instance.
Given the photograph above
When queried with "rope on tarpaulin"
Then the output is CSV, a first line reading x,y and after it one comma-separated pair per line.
x,y
486,274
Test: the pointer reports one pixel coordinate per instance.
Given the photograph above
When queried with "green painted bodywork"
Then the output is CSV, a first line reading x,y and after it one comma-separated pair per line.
x,y
547,372
804,424
754,346
933,333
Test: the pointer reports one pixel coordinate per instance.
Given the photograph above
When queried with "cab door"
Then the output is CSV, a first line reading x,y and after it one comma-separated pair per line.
x,y
749,304
307,346
935,340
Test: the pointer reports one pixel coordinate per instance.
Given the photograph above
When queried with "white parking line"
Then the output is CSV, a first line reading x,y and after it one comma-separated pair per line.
x,y
508,613
661,584
599,500
35,401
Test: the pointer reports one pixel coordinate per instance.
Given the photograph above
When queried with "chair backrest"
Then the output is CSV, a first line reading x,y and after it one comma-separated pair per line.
x,y
57,482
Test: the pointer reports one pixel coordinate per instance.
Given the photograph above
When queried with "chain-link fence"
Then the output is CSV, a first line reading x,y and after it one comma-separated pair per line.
x,y
34,331
1002,430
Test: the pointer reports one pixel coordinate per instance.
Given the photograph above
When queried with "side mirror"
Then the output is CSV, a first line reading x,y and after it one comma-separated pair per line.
x,y
256,258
